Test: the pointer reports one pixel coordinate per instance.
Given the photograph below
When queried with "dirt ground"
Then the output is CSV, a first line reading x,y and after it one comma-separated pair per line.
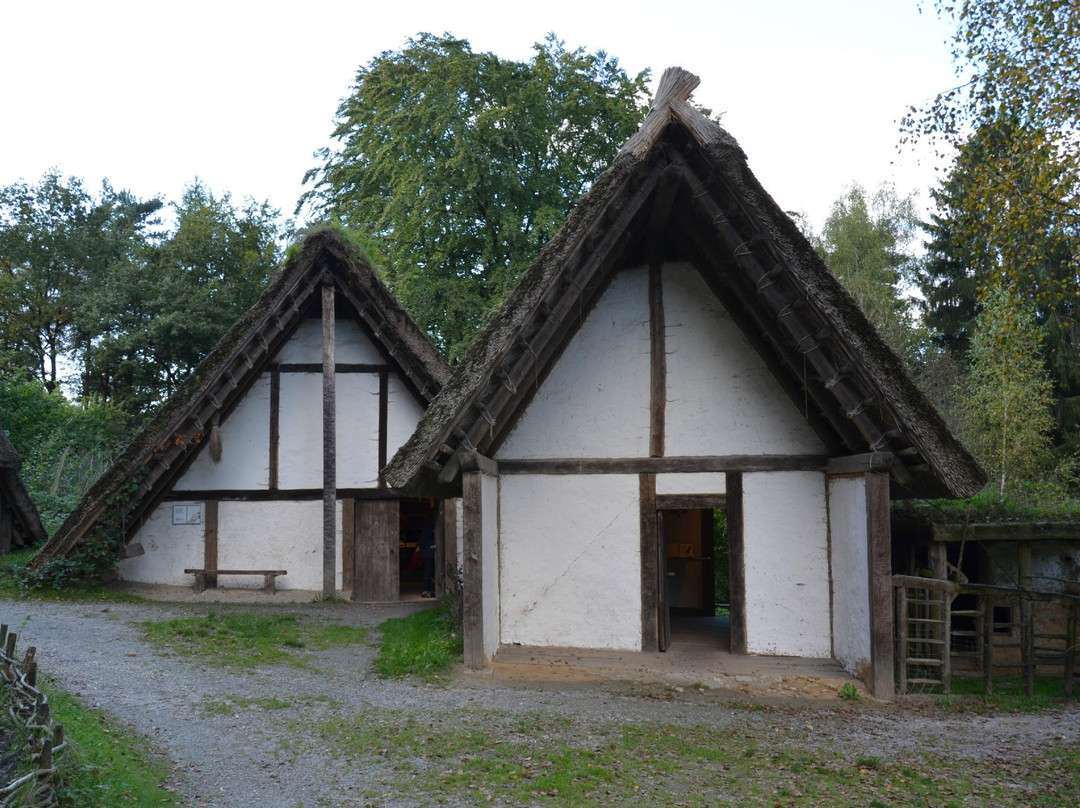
x,y
228,752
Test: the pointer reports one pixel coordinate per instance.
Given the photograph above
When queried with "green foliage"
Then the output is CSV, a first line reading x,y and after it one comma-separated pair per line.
x,y
424,644
850,693
721,558
245,639
476,757
866,242
105,763
96,295
64,446
1009,211
1007,422
461,166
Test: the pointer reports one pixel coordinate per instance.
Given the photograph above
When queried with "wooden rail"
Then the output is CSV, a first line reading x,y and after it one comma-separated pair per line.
x,y
28,707
936,641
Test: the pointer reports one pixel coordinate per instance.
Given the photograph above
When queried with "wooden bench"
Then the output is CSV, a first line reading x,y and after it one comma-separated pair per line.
x,y
269,577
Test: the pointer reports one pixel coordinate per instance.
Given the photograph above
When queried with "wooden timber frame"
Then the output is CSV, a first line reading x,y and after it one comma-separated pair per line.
x,y
681,191
327,269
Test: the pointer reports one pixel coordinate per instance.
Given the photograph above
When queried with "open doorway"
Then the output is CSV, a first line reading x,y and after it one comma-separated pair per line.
x,y
695,571
416,549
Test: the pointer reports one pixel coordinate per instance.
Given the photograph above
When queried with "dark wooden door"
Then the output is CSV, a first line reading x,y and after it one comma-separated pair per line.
x,y
375,576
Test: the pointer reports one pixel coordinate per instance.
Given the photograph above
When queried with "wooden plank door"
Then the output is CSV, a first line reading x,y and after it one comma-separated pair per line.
x,y
375,575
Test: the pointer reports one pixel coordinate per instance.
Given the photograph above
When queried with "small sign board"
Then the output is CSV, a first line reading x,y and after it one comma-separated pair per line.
x,y
187,514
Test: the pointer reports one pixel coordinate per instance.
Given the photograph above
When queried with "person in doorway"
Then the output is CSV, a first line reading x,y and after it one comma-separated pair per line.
x,y
427,550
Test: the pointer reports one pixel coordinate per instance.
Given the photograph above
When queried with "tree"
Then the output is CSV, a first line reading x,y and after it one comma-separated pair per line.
x,y
460,166
1006,415
866,243
157,316
54,239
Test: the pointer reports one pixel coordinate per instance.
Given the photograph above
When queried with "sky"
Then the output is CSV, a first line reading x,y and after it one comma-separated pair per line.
x,y
151,95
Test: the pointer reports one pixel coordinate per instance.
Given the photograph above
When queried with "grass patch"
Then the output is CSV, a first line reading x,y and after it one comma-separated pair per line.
x,y
233,705
105,764
474,757
244,639
1009,694
424,644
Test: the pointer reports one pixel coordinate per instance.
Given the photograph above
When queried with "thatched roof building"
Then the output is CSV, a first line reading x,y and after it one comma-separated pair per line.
x,y
681,189
159,455
19,521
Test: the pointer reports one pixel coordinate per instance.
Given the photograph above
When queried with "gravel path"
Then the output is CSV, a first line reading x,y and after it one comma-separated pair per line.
x,y
247,757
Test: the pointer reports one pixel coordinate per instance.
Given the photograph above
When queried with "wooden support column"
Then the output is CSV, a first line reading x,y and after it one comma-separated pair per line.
x,y
210,540
384,396
879,563
658,361
348,547
449,566
275,424
473,571
329,440
736,562
650,564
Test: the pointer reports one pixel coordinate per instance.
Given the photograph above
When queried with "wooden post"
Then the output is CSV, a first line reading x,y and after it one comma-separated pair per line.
x,y
384,396
275,425
450,541
658,360
946,646
1027,645
348,547
1023,566
879,558
473,572
210,541
902,635
988,645
736,562
1070,650
329,440
650,572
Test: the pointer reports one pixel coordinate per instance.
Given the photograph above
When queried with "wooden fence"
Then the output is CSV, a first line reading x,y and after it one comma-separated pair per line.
x,y
28,708
947,630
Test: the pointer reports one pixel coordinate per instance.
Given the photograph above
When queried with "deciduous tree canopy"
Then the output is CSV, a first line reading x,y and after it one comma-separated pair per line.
x,y
460,166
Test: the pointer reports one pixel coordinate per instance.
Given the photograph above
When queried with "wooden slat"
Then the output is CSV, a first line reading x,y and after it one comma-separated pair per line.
x,y
657,360
736,562
473,572
650,573
661,465
687,502
384,395
329,441
210,540
348,547
275,426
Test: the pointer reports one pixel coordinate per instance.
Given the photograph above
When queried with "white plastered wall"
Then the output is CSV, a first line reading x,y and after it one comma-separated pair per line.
x,y
595,402
489,554
571,561
692,483
168,549
850,571
785,558
276,535
251,535
351,345
721,397
403,413
245,447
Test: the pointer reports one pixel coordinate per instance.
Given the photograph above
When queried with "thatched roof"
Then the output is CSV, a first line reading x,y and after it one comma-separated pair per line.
x,y
157,457
681,189
14,499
